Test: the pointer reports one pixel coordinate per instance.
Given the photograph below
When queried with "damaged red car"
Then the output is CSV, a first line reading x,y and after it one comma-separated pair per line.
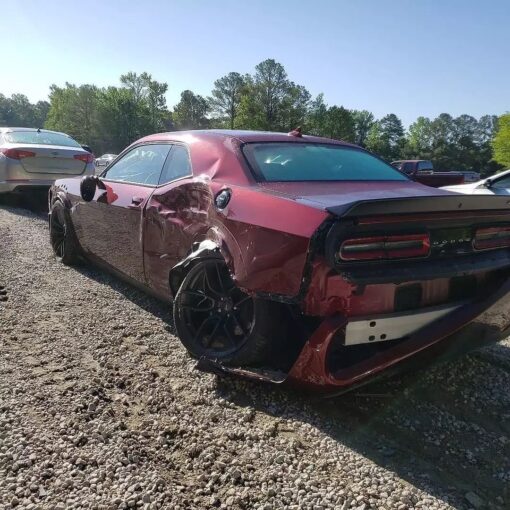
x,y
293,258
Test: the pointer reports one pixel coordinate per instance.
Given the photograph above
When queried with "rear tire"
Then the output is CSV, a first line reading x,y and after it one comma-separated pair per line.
x,y
216,320
62,237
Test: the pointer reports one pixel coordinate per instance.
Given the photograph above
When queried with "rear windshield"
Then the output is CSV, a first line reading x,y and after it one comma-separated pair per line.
x,y
42,138
292,161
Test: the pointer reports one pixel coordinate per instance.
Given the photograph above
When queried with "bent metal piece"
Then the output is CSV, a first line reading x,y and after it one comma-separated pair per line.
x,y
466,327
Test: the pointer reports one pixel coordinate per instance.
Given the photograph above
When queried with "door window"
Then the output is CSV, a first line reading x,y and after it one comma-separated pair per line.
x,y
503,183
425,165
177,165
141,165
408,168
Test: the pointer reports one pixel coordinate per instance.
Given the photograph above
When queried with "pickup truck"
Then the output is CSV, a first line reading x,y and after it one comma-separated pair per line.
x,y
421,170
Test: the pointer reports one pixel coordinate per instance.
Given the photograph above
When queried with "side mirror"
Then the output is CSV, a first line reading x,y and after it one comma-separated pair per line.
x,y
88,186
488,183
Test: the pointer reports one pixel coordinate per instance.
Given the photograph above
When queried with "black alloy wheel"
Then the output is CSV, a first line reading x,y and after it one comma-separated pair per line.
x,y
217,320
62,237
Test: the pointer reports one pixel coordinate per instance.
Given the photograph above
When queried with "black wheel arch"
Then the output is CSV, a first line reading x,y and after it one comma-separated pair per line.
x,y
205,249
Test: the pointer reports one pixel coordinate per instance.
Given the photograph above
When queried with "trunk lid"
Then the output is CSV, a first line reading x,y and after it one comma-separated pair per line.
x,y
52,159
325,195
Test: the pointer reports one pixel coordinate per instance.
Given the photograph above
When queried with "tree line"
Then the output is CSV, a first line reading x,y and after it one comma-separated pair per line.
x,y
108,119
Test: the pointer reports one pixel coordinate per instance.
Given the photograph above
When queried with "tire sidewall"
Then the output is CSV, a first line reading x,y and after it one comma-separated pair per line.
x,y
70,246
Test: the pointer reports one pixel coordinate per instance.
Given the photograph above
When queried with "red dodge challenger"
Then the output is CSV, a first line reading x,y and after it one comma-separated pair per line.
x,y
293,258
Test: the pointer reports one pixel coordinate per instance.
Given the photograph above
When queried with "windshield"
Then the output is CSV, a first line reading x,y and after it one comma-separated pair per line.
x,y
41,138
290,161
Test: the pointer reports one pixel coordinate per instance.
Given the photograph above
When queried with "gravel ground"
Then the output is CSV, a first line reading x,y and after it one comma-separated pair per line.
x,y
100,407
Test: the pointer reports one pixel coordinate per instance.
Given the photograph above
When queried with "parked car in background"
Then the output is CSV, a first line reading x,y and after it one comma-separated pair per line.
x,y
470,176
105,160
292,258
32,159
498,184
422,170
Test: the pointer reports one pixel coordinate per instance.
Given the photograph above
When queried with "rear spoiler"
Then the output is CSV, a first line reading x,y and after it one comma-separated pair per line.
x,y
410,205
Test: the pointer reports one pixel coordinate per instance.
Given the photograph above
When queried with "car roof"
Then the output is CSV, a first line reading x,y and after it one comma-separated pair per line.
x,y
498,175
242,136
12,129
409,160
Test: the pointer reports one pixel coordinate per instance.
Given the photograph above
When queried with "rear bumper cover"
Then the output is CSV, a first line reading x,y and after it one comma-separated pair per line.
x,y
467,327
25,184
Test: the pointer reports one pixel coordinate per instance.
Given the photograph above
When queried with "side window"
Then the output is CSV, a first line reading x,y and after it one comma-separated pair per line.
x,y
503,183
141,165
407,168
177,165
425,165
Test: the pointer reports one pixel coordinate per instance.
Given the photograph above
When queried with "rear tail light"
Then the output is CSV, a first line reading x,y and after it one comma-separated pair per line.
x,y
385,247
17,153
86,158
493,237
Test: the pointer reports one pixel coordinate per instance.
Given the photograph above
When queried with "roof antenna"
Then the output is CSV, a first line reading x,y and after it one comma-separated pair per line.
x,y
296,132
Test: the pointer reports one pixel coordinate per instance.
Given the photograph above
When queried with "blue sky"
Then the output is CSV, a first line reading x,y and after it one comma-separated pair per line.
x,y
409,57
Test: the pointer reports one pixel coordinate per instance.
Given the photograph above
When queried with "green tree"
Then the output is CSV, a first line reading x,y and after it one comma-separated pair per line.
x,y
386,137
317,116
339,124
294,108
74,110
270,88
419,139
501,143
191,111
41,109
226,98
148,96
119,119
363,121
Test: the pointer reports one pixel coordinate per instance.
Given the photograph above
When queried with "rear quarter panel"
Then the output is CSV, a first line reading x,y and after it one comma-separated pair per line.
x,y
272,237
263,238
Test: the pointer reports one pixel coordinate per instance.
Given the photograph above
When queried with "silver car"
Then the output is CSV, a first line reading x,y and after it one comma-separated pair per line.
x,y
498,184
105,160
34,158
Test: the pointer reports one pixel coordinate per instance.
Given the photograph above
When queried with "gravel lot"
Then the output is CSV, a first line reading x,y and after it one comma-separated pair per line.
x,y
100,407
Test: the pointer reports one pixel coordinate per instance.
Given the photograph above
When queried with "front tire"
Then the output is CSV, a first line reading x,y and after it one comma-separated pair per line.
x,y
216,320
63,241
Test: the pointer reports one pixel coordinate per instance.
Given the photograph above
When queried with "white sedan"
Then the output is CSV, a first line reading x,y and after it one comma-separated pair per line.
x,y
498,184
33,159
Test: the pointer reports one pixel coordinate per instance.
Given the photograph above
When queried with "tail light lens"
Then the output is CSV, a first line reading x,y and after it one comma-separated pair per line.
x,y
493,237
385,247
17,153
86,158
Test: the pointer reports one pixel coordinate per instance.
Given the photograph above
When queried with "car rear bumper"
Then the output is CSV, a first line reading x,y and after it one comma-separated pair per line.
x,y
25,185
467,327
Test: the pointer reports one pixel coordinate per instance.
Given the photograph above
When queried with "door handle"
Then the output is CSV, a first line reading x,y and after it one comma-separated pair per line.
x,y
135,202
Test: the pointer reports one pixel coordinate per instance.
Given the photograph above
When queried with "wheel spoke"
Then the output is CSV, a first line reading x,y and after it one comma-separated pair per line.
x,y
229,336
199,306
238,324
208,285
243,300
59,247
57,228
202,326
208,341
220,279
